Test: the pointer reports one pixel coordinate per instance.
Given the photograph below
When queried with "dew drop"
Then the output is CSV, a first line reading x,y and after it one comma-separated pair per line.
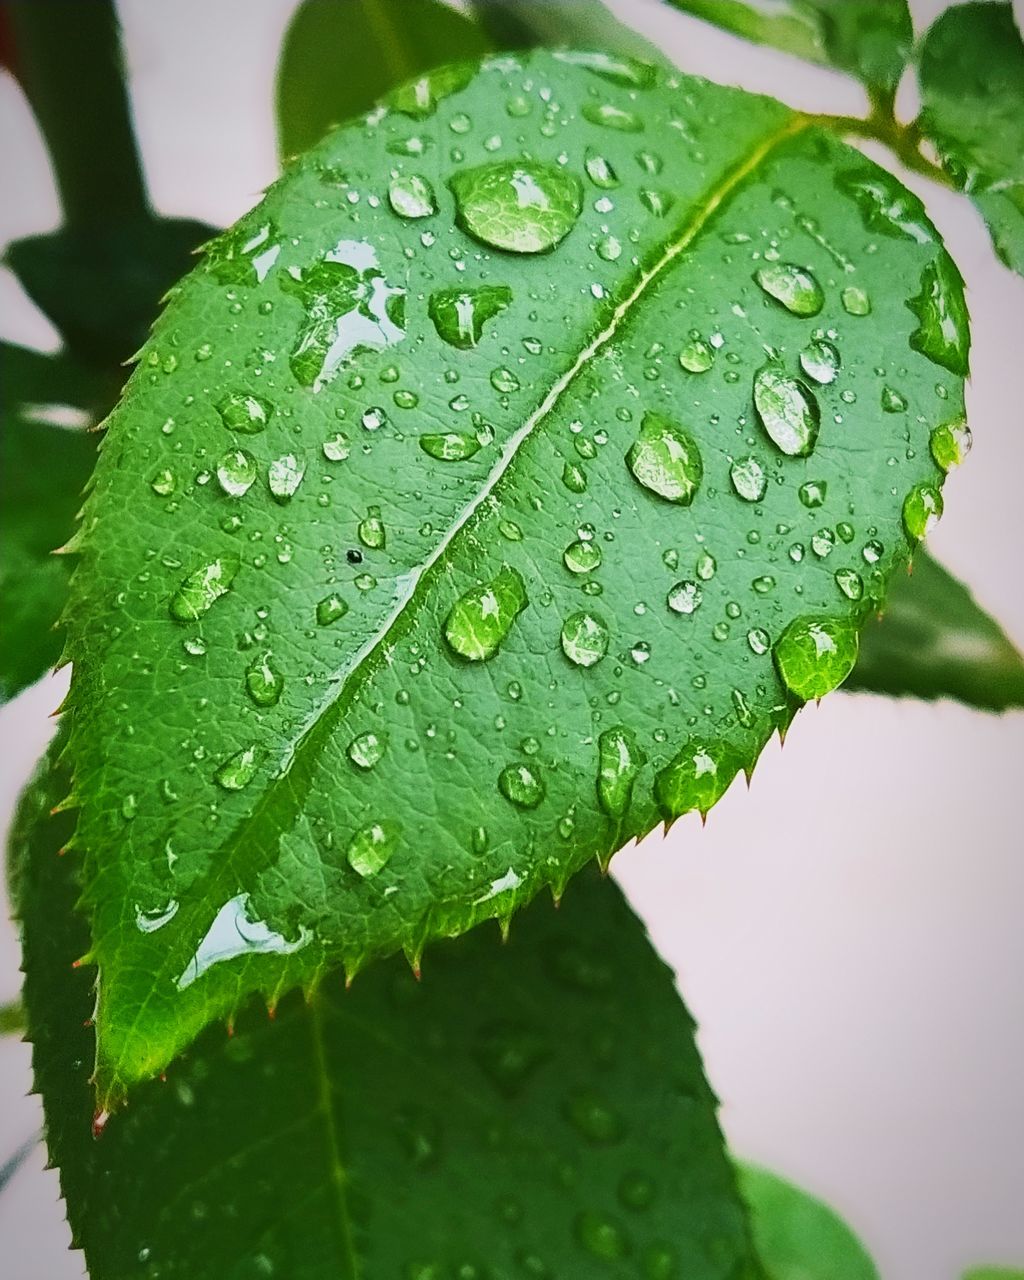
x,y
238,770
821,361
815,655
749,479
371,848
285,475
263,683
943,332
696,778
236,472
666,460
922,509
620,759
600,170
950,443
788,412
521,786
330,609
202,588
481,619
855,301
601,1236
697,356
411,196
371,531
792,286
520,206
449,446
608,116
367,749
584,638
246,413
582,557
685,597
459,315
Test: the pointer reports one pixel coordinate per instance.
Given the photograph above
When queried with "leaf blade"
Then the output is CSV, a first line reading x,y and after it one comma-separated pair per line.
x,y
490,765
398,1128
972,93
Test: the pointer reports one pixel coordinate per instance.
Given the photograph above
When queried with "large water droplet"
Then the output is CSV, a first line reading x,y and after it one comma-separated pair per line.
x,y
697,356
450,446
459,315
202,588
600,170
521,206
582,556
263,682
685,597
285,475
619,69
238,770
481,619
330,609
236,472
943,333
411,196
419,98
367,749
521,786
371,847
794,287
950,443
609,116
696,778
749,479
584,638
666,459
620,758
243,412
922,509
788,411
371,530
815,655
856,301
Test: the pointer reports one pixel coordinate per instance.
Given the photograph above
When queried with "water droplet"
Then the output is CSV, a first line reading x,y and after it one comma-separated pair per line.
x,y
892,401
243,412
922,509
748,479
685,597
285,475
236,472
481,619
600,170
697,356
163,483
788,411
330,609
659,1262
508,1054
794,287
263,683
374,418
815,655
601,1236
411,196
950,443
504,380
620,759
584,638
636,1191
371,848
371,530
593,1116
582,557
609,116
706,566
337,448
450,446
821,361
459,315
202,588
812,493
856,301
418,98
574,478
696,778
886,206
522,206
943,333
367,749
521,786
850,583
238,770
618,68
666,459
658,202
759,641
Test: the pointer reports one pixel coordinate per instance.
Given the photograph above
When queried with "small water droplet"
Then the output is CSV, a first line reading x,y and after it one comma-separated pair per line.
x,y
812,493
850,583
601,1236
330,609
608,116
412,196
285,475
263,683
367,749
856,301
450,446
459,315
892,401
236,472
821,361
697,356
371,531
620,759
950,443
163,483
749,479
600,170
582,557
685,597
238,770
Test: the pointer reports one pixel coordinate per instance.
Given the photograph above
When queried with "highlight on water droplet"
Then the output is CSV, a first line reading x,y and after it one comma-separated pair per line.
x,y
202,588
521,786
696,778
788,411
372,847
922,509
481,619
666,460
749,479
792,286
620,758
459,315
521,206
813,656
584,638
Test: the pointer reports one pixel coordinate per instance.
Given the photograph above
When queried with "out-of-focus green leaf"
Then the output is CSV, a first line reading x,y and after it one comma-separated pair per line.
x,y
341,56
870,39
101,285
994,1273
935,641
582,24
972,94
43,470
535,1109
12,1018
797,1236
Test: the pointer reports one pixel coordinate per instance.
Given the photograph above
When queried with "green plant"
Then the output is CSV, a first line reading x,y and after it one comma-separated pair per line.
x,y
491,492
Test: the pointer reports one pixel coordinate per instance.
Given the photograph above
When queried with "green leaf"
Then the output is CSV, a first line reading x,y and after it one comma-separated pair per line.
x,y
870,39
972,94
585,24
102,285
341,56
798,1237
994,1273
388,616
43,470
536,1109
935,641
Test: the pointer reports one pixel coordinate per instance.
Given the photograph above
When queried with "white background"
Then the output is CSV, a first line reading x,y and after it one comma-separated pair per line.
x,y
850,934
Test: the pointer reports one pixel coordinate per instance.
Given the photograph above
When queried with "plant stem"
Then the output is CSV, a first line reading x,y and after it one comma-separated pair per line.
x,y
904,140
68,60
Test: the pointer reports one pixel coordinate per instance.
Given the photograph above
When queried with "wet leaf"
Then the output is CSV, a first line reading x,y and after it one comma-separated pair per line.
x,y
399,1129
420,590
935,641
339,57
972,95
43,470
870,39
797,1236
